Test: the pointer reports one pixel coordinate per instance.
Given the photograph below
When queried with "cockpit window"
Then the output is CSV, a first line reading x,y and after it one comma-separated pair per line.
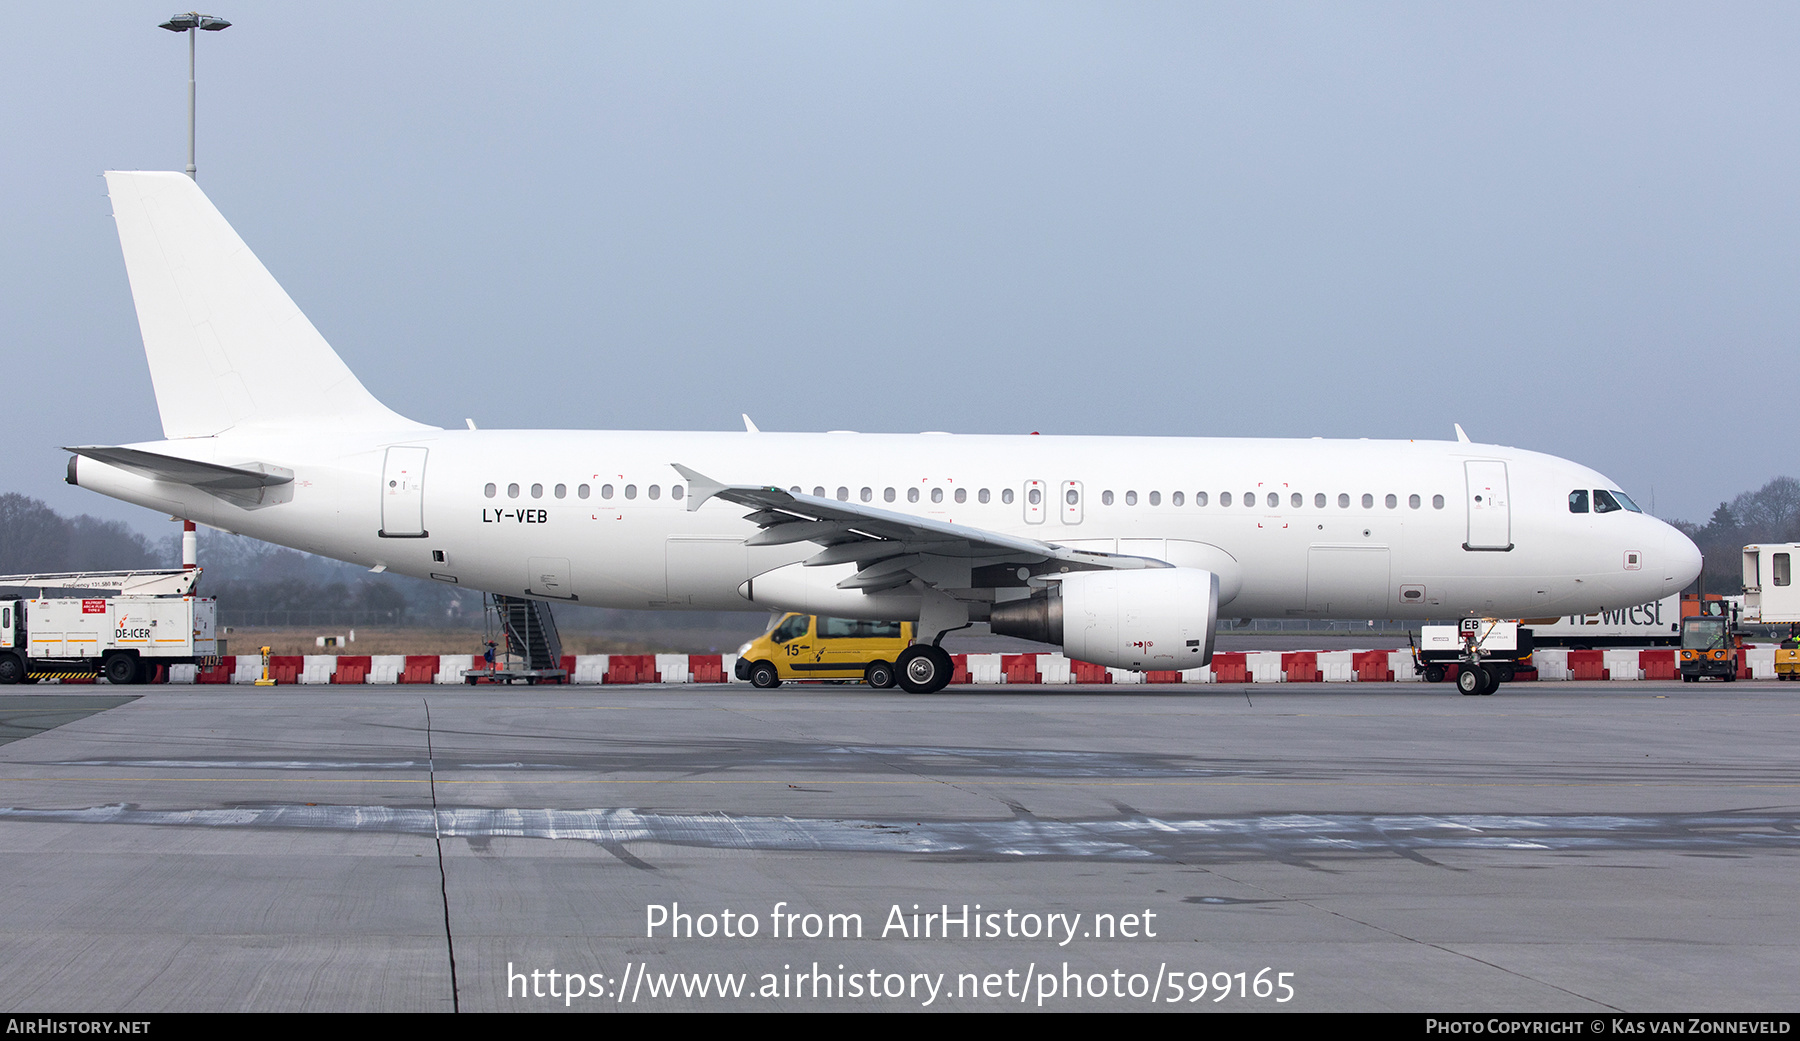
x,y
1578,501
1625,501
1604,502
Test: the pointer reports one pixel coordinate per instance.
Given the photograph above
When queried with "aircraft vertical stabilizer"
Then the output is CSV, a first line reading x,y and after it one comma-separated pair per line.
x,y
227,347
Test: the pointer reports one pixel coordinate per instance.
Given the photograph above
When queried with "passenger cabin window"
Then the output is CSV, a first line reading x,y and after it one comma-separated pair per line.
x,y
490,491
1200,499
912,495
1176,499
562,491
887,495
1437,502
1783,569
1343,500
962,495
655,491
1319,501
867,494
1274,500
1296,499
1250,500
1224,498
537,491
1392,500
1006,496
937,495
1156,498
1412,502
606,491
1368,501
1131,498
676,491
1035,497
512,491
1106,498
843,494
1578,501
581,491
983,495
1604,502
631,491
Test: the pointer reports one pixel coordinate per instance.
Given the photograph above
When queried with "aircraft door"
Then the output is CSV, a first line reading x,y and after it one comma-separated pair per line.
x,y
549,576
1071,502
1490,510
1035,493
403,494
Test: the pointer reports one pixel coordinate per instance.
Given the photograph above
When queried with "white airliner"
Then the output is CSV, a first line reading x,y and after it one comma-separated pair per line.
x,y
1123,550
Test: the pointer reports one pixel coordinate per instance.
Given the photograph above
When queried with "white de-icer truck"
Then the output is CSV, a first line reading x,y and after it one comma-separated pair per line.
x,y
153,619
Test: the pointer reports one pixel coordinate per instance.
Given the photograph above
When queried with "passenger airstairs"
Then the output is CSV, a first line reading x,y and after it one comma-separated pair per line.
x,y
532,648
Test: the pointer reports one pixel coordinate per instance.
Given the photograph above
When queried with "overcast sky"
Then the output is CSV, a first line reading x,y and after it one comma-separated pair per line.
x,y
1569,227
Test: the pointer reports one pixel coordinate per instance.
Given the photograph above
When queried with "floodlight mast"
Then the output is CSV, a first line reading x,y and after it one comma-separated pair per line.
x,y
187,23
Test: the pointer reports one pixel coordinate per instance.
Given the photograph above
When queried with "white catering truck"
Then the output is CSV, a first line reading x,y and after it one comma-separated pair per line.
x,y
1655,624
153,619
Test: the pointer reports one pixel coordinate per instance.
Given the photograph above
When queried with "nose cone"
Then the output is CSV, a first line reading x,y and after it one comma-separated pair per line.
x,y
1680,560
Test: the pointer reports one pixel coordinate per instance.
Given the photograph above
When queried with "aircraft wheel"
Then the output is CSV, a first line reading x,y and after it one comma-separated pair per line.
x,y
1471,680
763,675
1493,679
1434,674
879,675
924,669
12,670
120,669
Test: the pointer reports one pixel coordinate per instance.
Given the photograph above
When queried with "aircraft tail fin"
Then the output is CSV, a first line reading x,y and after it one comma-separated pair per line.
x,y
226,345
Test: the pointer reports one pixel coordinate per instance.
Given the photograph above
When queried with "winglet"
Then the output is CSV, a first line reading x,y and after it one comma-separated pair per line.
x,y
1460,436
749,427
700,486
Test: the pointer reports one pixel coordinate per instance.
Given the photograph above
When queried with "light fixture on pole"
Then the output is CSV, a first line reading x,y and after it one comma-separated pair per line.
x,y
187,23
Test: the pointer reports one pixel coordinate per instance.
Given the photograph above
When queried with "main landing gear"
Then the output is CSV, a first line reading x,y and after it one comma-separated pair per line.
x,y
924,669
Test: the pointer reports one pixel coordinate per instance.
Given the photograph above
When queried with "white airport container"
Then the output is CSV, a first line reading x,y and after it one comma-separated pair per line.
x,y
589,668
317,668
1761,661
1337,666
986,668
1054,668
1552,662
387,668
674,668
1263,667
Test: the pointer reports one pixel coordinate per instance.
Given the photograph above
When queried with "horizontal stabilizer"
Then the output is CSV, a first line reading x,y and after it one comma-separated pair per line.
x,y
242,483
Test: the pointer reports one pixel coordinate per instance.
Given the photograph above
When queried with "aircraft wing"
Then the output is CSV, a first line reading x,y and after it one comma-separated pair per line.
x,y
888,547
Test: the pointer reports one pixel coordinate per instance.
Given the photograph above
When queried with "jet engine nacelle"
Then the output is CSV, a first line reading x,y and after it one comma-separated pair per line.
x,y
1153,619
